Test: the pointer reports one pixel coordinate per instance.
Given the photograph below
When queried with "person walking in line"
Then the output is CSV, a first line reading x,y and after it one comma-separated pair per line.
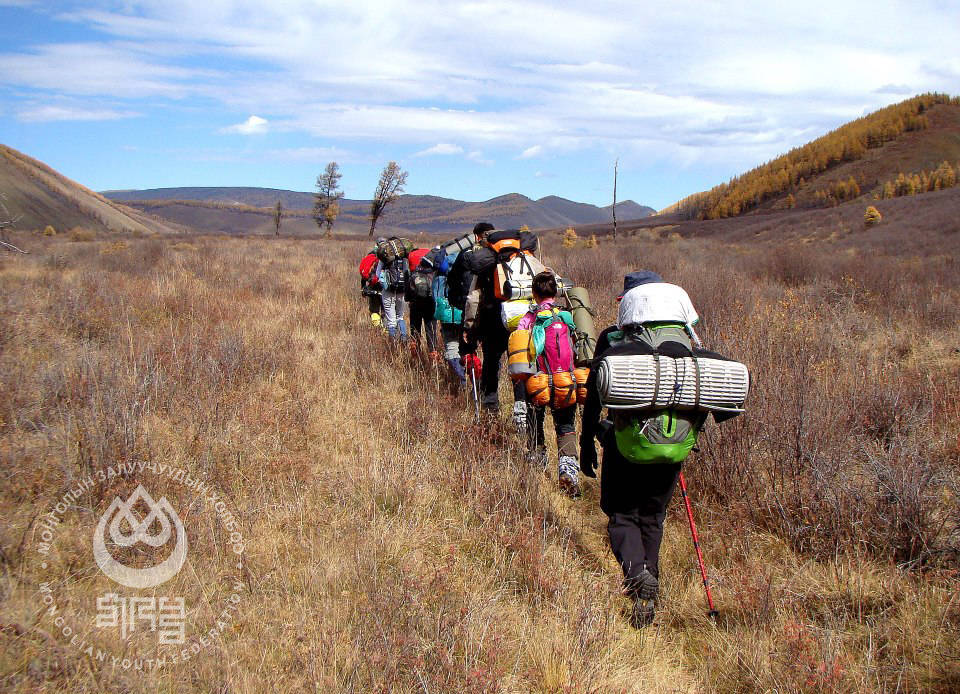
x,y
634,495
449,317
393,277
555,357
419,296
370,286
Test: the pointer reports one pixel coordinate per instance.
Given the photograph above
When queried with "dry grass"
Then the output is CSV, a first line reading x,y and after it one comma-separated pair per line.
x,y
394,546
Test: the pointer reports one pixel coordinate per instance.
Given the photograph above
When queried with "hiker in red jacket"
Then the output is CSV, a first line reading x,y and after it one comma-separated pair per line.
x,y
420,298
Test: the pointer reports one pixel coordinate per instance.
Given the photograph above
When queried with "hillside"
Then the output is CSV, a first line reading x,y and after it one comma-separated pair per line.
x,y
40,196
851,162
235,209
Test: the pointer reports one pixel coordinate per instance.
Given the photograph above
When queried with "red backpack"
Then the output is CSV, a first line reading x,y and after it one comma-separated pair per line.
x,y
368,265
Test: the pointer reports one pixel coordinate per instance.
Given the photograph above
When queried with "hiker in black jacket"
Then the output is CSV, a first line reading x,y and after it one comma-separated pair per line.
x,y
634,496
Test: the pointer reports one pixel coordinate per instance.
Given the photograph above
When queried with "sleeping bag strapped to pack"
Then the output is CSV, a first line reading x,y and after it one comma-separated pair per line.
x,y
394,248
516,265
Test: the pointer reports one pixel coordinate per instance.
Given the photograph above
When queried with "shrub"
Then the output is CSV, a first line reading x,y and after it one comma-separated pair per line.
x,y
570,238
591,242
871,217
81,234
49,231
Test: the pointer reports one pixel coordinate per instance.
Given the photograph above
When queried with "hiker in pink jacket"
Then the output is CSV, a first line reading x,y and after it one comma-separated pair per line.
x,y
557,356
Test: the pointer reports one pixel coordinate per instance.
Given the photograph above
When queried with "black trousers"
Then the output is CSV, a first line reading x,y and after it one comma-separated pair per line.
x,y
493,338
635,498
564,424
421,314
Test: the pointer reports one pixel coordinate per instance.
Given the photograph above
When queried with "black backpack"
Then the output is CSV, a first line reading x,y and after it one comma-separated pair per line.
x,y
458,281
398,273
421,284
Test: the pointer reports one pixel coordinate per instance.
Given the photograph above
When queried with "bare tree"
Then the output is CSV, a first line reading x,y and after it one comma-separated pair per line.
x,y
7,222
278,216
326,201
615,164
389,187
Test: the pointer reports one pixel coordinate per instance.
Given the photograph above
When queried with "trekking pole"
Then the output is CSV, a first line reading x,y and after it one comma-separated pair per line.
x,y
696,545
471,365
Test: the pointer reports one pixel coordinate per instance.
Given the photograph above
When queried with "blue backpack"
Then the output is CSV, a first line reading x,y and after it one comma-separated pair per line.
x,y
444,311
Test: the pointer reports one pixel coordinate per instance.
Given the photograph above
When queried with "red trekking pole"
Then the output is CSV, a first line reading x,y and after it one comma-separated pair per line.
x,y
696,545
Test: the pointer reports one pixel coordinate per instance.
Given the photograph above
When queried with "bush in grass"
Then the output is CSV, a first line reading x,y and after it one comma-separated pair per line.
x,y
871,217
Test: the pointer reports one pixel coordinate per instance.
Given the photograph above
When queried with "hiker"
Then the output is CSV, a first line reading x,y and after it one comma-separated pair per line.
x,y
482,324
556,357
419,295
635,494
370,286
449,317
500,257
392,277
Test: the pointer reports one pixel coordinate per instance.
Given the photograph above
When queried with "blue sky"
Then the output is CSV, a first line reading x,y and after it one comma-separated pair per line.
x,y
474,99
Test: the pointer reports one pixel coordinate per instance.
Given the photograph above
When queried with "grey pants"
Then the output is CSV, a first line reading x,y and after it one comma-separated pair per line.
x,y
394,307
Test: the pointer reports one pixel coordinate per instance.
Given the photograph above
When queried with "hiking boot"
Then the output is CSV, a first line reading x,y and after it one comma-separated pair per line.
x,y
567,474
643,588
520,418
642,613
539,457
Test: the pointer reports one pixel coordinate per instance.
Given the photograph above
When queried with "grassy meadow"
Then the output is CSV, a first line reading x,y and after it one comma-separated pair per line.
x,y
392,545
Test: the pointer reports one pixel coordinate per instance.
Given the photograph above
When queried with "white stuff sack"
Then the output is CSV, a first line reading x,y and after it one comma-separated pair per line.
x,y
655,382
512,311
656,302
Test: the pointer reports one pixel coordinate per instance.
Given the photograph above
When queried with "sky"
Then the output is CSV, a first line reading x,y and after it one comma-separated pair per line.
x,y
474,99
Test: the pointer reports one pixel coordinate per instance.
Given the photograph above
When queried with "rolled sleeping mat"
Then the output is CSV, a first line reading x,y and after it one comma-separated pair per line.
x,y
515,290
459,244
538,389
655,382
585,341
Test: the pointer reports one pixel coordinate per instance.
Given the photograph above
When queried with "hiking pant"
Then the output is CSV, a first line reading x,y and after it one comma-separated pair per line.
x,y
451,333
374,303
635,498
421,313
564,424
393,310
493,337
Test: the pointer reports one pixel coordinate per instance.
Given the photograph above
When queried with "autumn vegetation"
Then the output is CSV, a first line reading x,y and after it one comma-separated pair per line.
x,y
395,546
785,176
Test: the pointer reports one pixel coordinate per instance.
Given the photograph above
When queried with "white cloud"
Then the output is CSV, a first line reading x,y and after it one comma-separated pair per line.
x,y
531,152
756,78
45,114
477,156
441,149
254,125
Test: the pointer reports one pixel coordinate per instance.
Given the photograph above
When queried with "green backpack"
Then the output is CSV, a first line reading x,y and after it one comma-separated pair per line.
x,y
659,436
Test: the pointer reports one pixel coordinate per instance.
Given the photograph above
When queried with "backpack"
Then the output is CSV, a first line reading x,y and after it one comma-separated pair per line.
x,y
655,436
551,345
516,266
393,249
443,311
397,274
421,284
368,265
459,280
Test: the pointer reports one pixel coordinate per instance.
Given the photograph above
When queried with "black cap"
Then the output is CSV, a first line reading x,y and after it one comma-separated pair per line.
x,y
483,228
635,279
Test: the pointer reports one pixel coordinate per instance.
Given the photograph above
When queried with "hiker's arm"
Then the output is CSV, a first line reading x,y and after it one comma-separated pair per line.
x,y
592,410
472,305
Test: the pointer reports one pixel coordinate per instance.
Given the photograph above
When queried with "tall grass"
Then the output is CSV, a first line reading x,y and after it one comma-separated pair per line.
x,y
395,545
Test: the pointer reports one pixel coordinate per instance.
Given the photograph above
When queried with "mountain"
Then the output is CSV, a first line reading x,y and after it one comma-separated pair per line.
x,y
249,210
38,196
855,161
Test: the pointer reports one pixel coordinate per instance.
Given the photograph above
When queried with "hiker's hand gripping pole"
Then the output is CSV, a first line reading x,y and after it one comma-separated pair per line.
x,y
696,545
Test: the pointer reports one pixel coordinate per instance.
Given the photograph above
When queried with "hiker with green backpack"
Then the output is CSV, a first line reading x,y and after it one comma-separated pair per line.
x,y
642,448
